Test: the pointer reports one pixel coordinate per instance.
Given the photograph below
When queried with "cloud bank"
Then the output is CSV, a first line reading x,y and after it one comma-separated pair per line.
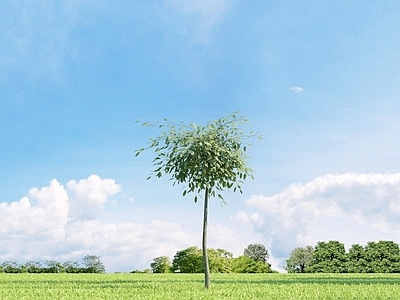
x,y
63,223
353,208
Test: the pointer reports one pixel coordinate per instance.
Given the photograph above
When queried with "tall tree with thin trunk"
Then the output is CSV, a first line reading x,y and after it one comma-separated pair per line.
x,y
206,158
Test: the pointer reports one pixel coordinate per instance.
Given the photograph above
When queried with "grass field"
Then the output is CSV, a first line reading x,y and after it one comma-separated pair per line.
x,y
187,286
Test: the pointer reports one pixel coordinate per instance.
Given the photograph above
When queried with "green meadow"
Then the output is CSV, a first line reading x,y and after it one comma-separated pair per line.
x,y
190,286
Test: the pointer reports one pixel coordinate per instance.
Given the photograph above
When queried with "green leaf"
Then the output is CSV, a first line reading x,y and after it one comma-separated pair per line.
x,y
199,156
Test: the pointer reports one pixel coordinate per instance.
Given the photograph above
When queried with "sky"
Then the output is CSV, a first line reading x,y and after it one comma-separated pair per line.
x,y
319,80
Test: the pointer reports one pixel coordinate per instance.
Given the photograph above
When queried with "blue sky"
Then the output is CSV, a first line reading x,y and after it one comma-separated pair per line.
x,y
319,80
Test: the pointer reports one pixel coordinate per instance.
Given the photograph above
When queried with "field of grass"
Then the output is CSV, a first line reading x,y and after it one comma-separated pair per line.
x,y
190,286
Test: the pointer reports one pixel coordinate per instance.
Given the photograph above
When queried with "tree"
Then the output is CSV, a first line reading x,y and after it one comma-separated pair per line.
x,y
188,260
246,264
220,260
72,267
356,262
299,259
33,267
53,267
209,159
328,257
93,264
382,257
257,252
11,267
161,264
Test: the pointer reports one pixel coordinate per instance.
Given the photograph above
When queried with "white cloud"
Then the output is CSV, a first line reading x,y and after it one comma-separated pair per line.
x,y
349,207
241,216
46,219
90,195
128,245
45,226
297,89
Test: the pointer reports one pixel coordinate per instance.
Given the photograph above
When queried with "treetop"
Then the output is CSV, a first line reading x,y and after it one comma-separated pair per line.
x,y
208,157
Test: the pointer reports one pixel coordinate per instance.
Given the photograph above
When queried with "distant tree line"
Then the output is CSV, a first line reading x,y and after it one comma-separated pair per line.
x,y
331,257
190,260
91,264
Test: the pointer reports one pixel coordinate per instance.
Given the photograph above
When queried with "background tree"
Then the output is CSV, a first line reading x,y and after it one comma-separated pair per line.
x,y
328,257
93,264
299,259
246,264
220,260
382,257
11,267
72,267
356,262
53,267
161,264
33,267
188,260
209,159
257,252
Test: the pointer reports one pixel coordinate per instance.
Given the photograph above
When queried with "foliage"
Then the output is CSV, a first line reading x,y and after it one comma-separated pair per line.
x,y
299,259
33,267
190,260
356,262
375,257
187,286
382,257
220,260
54,267
246,264
93,264
161,264
11,267
73,267
211,156
328,257
257,252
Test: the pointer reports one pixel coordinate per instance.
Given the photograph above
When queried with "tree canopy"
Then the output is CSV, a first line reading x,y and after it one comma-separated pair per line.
x,y
161,264
93,264
211,156
299,259
257,252
328,257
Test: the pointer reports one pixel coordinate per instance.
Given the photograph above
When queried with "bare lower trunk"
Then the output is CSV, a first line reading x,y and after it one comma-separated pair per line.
x,y
204,245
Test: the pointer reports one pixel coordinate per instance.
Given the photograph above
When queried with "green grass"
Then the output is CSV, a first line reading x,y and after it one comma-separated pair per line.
x,y
188,286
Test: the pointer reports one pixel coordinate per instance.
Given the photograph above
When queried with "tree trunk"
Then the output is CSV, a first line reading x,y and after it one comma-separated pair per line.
x,y
204,245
